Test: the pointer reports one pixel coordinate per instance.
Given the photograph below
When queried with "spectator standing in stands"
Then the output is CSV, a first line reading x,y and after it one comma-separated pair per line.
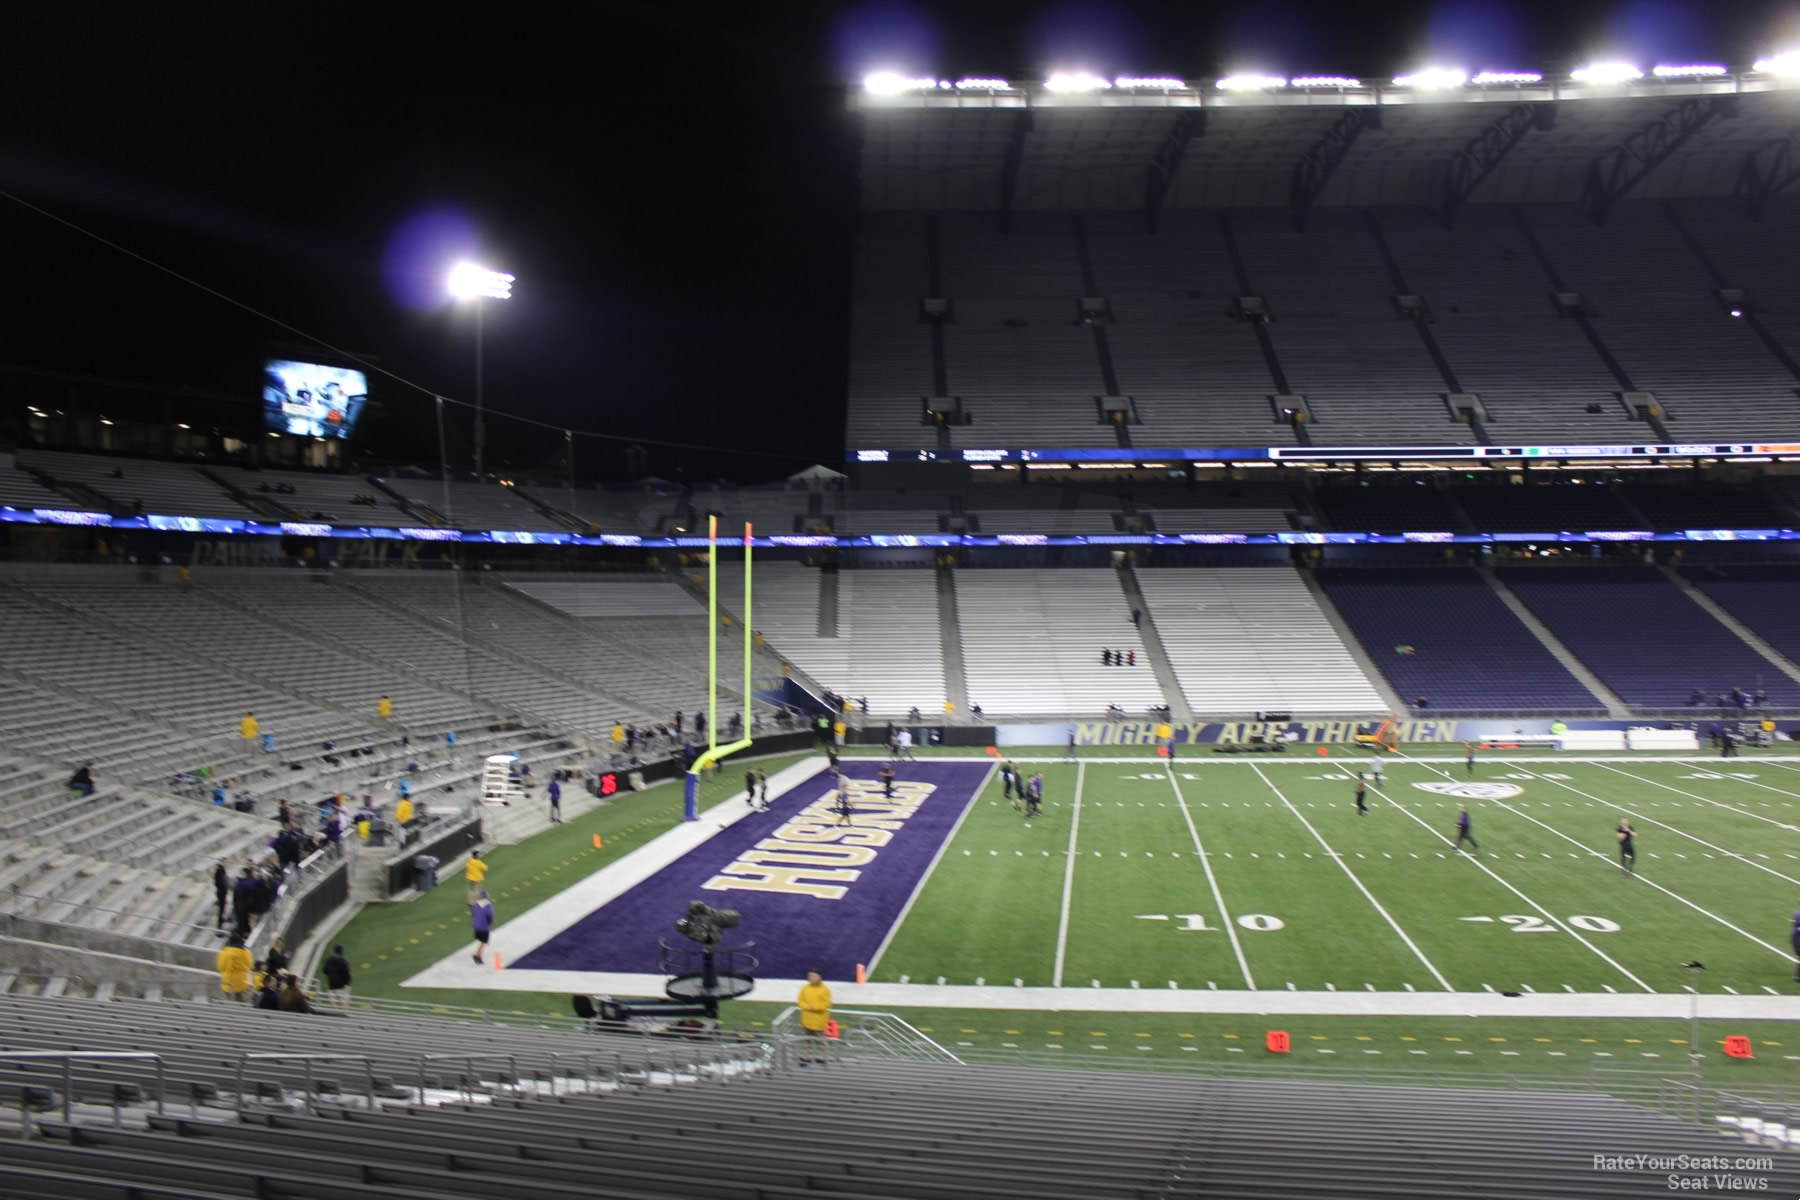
x,y
1469,758
1137,616
1462,830
221,891
337,978
1131,658
234,964
700,725
476,874
82,781
1106,658
403,811
277,960
481,919
1362,788
249,727
292,998
618,733
1627,847
268,990
384,708
678,722
814,1003
243,900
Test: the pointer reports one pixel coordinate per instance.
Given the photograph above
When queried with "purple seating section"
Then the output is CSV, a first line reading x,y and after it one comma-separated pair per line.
x,y
1443,633
1644,637
1762,597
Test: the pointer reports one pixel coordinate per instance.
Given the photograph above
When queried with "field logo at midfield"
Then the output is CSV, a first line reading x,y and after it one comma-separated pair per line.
x,y
1473,791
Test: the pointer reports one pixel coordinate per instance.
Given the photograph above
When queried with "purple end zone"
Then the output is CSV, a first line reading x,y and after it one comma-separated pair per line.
x,y
794,933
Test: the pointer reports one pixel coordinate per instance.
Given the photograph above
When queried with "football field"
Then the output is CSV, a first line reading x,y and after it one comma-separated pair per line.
x,y
1256,872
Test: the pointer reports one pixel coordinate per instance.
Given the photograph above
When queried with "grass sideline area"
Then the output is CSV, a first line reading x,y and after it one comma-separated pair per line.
x,y
974,914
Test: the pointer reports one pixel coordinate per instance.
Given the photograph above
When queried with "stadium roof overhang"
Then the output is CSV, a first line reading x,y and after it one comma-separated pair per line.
x,y
1028,147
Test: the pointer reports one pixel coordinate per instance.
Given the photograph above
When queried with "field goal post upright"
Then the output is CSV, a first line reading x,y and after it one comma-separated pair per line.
x,y
714,752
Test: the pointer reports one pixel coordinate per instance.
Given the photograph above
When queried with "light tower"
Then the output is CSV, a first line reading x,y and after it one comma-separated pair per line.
x,y
473,283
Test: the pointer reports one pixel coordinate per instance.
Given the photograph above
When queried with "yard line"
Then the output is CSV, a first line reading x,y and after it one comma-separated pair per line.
x,y
1715,803
1211,881
1662,825
924,879
1062,928
1552,917
1607,859
1386,916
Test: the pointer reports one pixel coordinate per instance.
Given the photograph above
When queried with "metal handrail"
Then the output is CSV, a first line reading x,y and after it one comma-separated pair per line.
x,y
244,1060
68,1058
468,1060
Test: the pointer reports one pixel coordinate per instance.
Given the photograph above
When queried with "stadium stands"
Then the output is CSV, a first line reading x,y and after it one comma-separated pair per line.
x,y
1031,643
19,489
164,488
1410,508
473,505
1491,314
888,641
1195,376
1362,369
1760,596
1442,633
1643,637
1245,640
1654,304
1694,506
335,498
1548,508
410,1107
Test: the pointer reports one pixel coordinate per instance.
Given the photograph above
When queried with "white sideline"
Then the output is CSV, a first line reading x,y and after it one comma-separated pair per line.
x,y
1212,882
518,936
1668,1005
1068,892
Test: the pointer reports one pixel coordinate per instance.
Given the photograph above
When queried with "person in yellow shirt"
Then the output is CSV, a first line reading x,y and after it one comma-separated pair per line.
x,y
475,873
385,708
618,733
234,965
949,707
403,811
815,1014
249,728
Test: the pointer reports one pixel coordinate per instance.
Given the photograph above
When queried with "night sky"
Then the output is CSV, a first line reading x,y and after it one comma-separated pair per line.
x,y
674,185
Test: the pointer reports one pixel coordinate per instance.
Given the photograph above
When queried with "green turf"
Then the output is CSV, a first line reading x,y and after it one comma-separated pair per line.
x,y
1317,897
1721,846
389,943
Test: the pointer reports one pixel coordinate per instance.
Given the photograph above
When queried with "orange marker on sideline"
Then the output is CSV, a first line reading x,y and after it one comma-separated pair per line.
x,y
862,975
496,960
596,841
1277,1041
